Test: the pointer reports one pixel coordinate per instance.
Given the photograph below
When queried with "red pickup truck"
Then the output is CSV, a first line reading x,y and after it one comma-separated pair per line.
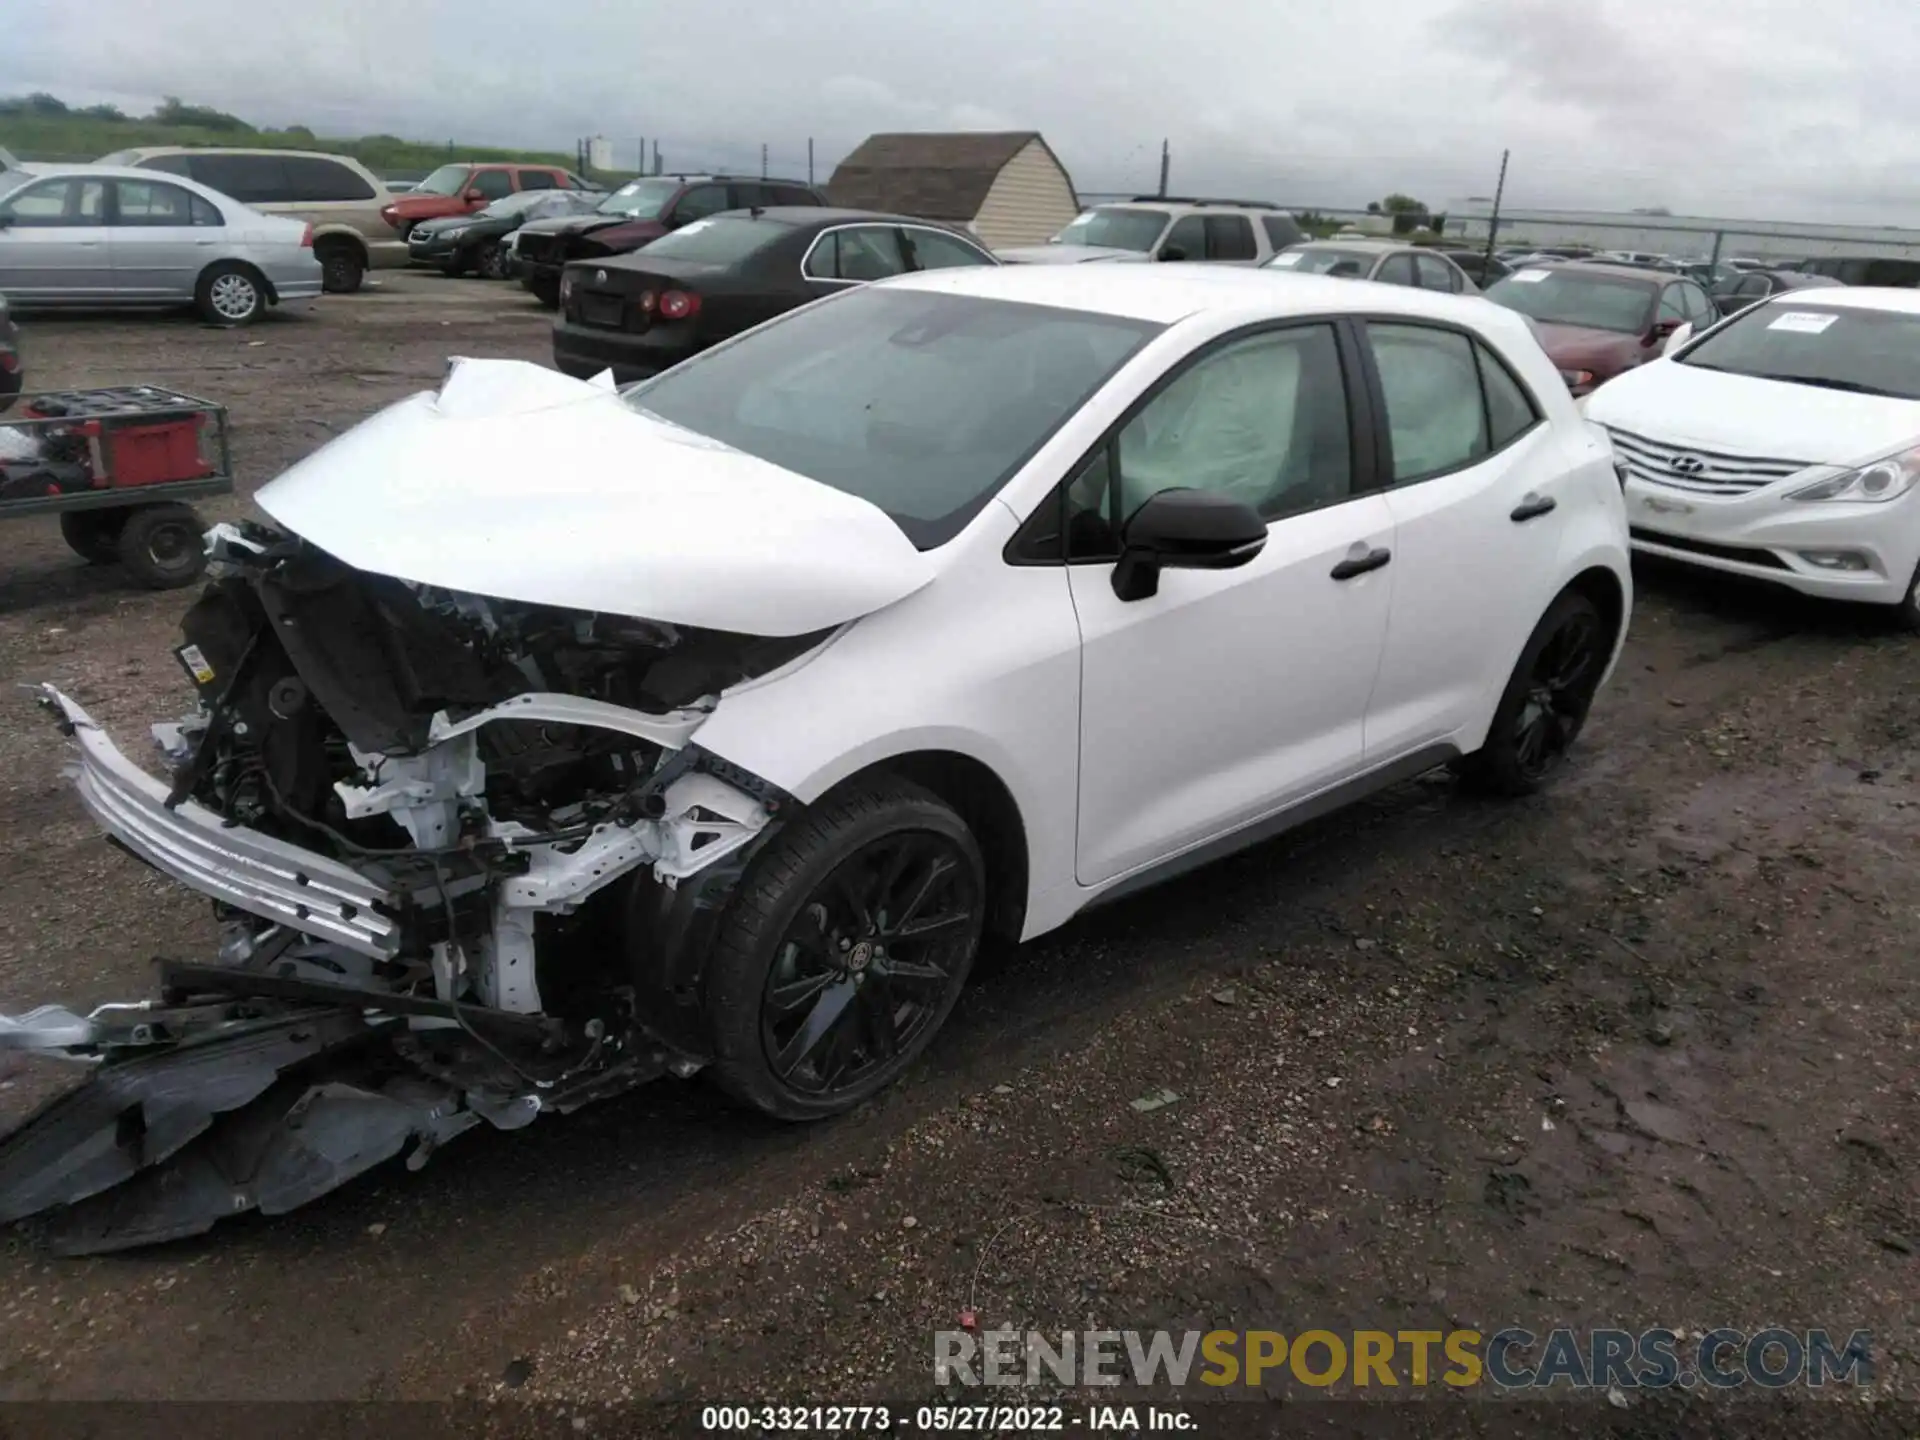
x,y
461,188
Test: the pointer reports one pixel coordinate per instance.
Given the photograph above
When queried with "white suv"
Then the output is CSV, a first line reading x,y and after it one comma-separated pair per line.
x,y
948,606
1151,227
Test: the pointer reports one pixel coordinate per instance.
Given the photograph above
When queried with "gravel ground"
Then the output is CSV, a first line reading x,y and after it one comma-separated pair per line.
x,y
1640,1051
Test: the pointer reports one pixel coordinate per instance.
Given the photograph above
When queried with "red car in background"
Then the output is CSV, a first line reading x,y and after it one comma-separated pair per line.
x,y
1595,321
461,188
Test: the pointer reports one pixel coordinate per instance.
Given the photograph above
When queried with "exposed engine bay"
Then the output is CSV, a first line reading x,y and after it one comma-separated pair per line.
x,y
465,856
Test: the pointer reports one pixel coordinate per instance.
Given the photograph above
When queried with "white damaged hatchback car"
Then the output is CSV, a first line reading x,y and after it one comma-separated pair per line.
x,y
556,738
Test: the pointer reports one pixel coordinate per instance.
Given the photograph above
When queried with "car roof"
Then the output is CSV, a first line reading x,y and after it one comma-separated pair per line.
x,y
798,215
153,150
1368,246
1151,293
50,171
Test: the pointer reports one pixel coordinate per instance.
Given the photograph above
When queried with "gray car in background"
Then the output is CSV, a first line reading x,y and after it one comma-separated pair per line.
x,y
104,237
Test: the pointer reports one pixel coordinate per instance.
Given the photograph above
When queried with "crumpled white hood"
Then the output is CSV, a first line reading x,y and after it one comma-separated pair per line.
x,y
1066,255
517,482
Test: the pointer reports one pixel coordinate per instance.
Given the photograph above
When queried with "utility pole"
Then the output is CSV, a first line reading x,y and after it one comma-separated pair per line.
x,y
656,157
763,159
640,166
809,160
1493,221
1166,159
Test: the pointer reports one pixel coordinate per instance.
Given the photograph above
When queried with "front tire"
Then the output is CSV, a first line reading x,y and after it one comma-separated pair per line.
x,y
844,951
1545,704
230,294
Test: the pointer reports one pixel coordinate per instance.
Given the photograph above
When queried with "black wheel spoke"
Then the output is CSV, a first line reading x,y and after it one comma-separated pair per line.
x,y
938,869
820,1021
850,894
915,972
785,1001
878,1012
920,929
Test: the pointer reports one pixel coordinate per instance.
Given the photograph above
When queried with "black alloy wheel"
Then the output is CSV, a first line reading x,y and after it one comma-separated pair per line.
x,y
845,949
867,965
1546,701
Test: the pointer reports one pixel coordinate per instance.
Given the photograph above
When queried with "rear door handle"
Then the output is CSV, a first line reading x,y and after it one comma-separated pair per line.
x,y
1360,564
1531,508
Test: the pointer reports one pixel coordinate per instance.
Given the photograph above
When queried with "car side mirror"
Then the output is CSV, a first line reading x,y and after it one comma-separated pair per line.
x,y
1661,330
1185,530
474,197
1172,252
1677,337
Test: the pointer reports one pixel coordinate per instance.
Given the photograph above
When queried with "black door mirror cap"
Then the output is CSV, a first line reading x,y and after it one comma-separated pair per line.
x,y
1185,529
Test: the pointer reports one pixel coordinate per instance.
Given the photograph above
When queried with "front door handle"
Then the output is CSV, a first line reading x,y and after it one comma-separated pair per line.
x,y
1532,508
1360,564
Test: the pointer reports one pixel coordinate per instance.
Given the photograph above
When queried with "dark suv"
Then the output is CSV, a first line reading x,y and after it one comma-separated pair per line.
x,y
639,211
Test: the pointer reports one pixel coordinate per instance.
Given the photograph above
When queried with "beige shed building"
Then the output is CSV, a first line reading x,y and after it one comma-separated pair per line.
x,y
1007,187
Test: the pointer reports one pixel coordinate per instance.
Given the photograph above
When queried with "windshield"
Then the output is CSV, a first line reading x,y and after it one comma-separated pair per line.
x,y
1561,295
11,180
1324,260
640,199
924,404
1876,352
1114,227
447,180
718,240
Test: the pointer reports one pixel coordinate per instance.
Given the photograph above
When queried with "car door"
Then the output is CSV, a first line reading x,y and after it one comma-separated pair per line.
x,y
161,236
849,255
53,241
1474,497
1229,695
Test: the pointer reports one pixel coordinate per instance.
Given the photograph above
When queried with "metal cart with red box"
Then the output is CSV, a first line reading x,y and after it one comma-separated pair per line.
x,y
118,466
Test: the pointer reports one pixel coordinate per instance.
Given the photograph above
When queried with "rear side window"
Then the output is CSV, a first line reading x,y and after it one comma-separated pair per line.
x,y
1430,379
792,195
154,202
250,179
1230,237
171,164
932,250
310,178
1281,231
857,253
537,180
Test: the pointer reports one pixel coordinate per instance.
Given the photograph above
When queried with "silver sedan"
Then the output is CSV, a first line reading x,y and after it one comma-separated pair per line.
x,y
107,238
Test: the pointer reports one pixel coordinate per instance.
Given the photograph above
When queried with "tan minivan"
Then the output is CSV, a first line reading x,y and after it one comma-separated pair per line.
x,y
335,194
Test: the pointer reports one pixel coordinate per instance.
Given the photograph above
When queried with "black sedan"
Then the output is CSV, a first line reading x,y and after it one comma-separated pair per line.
x,y
478,242
1743,288
709,280
12,375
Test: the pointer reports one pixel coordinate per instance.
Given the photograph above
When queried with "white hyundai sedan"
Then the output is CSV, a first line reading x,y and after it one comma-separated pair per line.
x,y
1783,444
559,737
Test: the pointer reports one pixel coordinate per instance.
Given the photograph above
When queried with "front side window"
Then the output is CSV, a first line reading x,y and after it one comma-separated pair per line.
x,y
1115,227
1263,420
1230,237
933,250
1398,270
1436,274
1869,352
1563,295
151,202
1187,240
699,202
924,404
492,184
56,203
250,179
858,253
1436,419
1281,231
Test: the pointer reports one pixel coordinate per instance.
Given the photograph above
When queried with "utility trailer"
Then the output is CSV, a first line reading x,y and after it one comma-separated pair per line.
x,y
119,466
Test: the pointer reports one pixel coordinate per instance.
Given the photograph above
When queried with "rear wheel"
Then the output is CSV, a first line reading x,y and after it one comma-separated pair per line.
x,y
1546,700
163,546
230,294
844,951
342,267
93,535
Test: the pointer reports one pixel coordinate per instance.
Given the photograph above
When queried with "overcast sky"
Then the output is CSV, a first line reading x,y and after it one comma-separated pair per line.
x,y
1763,109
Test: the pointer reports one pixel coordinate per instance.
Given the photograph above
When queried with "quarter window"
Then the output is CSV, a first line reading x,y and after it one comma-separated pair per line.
x,y
1263,420
1510,410
1436,419
54,203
